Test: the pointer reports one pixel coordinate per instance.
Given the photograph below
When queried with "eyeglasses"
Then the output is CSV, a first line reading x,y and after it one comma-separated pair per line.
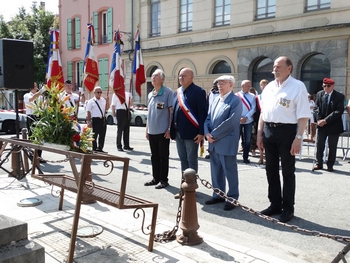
x,y
326,85
98,92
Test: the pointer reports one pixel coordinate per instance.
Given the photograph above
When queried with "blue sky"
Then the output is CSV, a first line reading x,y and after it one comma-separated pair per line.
x,y
10,9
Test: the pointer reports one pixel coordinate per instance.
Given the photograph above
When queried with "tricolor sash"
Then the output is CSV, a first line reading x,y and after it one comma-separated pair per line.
x,y
245,100
258,101
186,108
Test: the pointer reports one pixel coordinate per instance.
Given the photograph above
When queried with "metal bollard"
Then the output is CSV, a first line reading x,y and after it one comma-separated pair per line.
x,y
189,221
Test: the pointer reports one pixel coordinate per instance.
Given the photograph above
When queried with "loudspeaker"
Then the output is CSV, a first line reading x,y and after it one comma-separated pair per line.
x,y
16,64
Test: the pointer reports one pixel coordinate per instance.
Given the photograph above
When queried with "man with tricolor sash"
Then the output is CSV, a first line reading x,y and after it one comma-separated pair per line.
x,y
190,112
248,110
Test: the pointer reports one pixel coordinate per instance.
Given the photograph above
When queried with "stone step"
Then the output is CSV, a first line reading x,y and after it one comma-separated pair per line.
x,y
12,230
22,251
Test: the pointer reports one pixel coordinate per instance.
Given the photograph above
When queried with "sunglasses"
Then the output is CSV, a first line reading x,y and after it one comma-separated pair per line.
x,y
326,85
98,91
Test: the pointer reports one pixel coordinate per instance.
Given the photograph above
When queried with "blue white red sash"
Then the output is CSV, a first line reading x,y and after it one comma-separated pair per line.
x,y
245,100
258,101
186,108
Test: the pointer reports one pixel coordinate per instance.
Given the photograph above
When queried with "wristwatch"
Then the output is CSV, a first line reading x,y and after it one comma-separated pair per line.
x,y
298,136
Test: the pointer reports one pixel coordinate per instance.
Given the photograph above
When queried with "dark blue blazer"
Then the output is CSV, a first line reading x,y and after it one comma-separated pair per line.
x,y
331,112
196,99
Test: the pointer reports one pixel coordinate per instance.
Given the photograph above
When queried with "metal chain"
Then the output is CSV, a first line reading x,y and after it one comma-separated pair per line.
x,y
171,234
235,202
31,154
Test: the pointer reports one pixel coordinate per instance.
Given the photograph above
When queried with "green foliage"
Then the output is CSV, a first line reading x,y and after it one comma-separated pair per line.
x,y
56,125
34,26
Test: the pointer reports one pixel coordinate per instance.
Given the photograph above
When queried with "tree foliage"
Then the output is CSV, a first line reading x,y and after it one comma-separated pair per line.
x,y
34,26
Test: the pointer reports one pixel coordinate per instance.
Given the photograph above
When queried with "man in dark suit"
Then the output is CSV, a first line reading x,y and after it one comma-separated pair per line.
x,y
190,111
329,122
222,132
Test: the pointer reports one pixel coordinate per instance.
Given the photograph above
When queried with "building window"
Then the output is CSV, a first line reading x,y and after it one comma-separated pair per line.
x,y
155,18
73,31
79,67
222,12
313,70
103,26
104,29
186,15
262,70
265,9
312,5
221,67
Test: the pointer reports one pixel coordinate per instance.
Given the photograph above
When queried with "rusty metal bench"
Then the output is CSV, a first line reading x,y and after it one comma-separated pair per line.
x,y
82,184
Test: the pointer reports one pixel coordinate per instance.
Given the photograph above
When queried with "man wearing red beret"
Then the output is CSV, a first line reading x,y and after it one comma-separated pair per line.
x,y
329,122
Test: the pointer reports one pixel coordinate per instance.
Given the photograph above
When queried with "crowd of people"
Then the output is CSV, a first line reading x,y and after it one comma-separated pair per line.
x,y
272,122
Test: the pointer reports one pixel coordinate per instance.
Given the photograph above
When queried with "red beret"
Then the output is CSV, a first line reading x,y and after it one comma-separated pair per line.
x,y
328,81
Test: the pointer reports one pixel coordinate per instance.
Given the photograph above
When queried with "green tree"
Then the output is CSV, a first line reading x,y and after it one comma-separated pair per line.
x,y
34,26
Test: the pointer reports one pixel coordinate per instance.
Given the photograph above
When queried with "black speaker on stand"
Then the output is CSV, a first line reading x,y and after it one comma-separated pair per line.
x,y
17,66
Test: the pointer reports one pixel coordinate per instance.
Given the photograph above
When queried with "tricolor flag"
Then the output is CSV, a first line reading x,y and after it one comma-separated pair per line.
x,y
54,73
90,74
116,78
138,68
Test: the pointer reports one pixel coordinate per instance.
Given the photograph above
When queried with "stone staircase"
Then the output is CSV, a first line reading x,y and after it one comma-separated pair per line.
x,y
14,243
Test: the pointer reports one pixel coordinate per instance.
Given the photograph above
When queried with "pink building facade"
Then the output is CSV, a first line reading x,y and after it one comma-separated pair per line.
x,y
74,15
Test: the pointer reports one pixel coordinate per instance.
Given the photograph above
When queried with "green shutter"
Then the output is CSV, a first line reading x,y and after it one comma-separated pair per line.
x,y
103,73
77,32
69,34
70,71
110,25
96,27
81,69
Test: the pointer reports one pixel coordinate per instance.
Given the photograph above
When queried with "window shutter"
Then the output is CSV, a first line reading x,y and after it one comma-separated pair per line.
x,y
69,34
81,68
70,71
103,73
97,37
110,25
77,33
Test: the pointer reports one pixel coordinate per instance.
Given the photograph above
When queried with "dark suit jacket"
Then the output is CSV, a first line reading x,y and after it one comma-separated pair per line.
x,y
196,99
332,112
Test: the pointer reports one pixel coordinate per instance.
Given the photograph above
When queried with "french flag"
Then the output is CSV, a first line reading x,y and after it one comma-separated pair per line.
x,y
116,77
54,73
138,67
90,62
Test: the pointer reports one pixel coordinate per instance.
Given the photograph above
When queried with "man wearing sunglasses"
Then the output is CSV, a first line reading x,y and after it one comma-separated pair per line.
x,y
96,109
329,122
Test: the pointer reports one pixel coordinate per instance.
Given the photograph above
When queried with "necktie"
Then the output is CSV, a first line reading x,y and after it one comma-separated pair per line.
x,y
326,98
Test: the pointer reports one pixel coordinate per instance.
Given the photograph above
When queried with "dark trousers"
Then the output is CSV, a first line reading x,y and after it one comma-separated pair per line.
x,y
159,157
246,132
30,120
277,143
99,129
332,146
123,128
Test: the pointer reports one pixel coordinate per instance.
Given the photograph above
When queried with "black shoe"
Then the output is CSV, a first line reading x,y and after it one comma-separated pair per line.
x,y
271,210
318,167
228,206
207,156
120,149
128,148
42,161
153,182
330,169
214,201
161,185
285,216
246,161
